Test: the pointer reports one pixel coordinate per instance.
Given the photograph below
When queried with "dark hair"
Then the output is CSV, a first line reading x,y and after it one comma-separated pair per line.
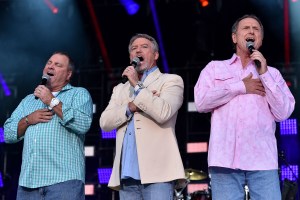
x,y
71,62
236,23
148,37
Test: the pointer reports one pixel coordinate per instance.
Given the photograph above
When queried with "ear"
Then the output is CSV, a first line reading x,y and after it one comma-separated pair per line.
x,y
156,55
69,74
233,36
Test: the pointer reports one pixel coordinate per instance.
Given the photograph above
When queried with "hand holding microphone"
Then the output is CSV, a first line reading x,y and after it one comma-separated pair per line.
x,y
250,46
136,61
259,60
44,80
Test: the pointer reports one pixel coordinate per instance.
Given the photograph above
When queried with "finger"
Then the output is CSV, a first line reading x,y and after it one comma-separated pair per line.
x,y
261,93
125,73
130,68
44,120
47,117
35,93
47,114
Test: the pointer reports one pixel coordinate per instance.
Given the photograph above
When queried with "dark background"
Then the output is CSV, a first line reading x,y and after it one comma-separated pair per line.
x,y
191,35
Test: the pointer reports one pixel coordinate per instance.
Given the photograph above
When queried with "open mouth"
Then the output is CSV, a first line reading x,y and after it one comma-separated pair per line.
x,y
141,58
50,74
250,39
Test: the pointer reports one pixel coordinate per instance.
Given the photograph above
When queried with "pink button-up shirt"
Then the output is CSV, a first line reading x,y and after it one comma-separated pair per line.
x,y
242,125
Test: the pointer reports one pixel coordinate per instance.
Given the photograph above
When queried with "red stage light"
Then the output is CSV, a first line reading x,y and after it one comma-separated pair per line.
x,y
55,10
51,6
204,3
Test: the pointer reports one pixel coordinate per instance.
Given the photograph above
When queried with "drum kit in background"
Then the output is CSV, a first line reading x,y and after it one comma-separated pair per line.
x,y
192,177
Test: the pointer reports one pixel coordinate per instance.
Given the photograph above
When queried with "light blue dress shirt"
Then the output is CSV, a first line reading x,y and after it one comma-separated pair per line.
x,y
53,152
130,165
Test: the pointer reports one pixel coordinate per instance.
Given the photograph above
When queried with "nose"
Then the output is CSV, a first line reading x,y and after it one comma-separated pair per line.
x,y
251,30
138,49
50,66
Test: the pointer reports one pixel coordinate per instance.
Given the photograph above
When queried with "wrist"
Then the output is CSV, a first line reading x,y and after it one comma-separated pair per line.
x,y
54,102
27,121
139,86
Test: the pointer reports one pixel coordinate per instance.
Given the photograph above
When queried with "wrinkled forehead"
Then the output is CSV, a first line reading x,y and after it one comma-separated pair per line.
x,y
62,59
249,22
140,41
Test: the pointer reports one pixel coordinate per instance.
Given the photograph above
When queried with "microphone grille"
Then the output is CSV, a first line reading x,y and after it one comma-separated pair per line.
x,y
45,76
250,44
135,61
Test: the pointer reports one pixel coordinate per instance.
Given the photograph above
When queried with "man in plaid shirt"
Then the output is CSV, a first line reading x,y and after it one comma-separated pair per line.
x,y
53,122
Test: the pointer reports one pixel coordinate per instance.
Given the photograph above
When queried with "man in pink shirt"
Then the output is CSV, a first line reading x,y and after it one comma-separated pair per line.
x,y
246,97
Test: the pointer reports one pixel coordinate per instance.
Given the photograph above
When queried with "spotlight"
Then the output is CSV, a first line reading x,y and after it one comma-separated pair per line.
x,y
108,135
89,151
104,175
197,147
1,181
1,135
191,107
289,127
89,189
130,6
4,86
204,3
51,6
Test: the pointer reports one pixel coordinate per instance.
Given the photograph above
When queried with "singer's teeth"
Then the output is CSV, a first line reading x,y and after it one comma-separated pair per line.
x,y
250,39
50,74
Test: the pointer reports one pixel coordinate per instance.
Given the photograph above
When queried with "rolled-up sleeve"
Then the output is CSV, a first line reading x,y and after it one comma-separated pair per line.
x,y
11,125
78,114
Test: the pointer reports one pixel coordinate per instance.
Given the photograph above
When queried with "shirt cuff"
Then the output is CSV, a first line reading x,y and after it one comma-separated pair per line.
x,y
267,80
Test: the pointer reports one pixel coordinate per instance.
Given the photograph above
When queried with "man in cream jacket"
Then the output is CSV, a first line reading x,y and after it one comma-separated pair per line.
x,y
144,111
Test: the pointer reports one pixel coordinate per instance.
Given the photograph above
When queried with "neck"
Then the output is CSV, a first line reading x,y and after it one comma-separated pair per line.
x,y
57,88
140,75
245,57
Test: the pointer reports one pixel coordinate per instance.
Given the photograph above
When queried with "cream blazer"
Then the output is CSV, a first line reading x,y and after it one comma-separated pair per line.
x,y
157,149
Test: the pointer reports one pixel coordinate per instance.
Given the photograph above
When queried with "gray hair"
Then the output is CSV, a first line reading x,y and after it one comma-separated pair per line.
x,y
236,23
148,37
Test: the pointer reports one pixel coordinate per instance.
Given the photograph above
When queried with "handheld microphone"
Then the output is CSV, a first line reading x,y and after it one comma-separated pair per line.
x,y
136,61
44,80
250,46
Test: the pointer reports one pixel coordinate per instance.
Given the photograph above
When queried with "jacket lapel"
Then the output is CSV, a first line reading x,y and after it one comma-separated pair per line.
x,y
152,77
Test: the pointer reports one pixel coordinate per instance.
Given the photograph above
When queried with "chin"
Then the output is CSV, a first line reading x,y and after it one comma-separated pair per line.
x,y
139,70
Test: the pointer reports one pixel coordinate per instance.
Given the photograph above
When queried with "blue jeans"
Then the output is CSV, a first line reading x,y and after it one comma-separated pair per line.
x,y
68,190
132,189
228,184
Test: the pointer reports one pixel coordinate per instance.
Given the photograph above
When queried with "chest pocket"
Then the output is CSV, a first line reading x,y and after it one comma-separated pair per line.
x,y
224,78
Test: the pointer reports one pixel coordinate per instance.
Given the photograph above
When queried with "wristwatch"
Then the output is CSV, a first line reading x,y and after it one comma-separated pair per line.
x,y
139,86
54,102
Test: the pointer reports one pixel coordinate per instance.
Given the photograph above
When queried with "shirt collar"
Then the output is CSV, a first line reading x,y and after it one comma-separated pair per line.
x,y
147,72
232,59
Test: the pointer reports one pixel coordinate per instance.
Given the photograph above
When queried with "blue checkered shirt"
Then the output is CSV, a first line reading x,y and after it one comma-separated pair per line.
x,y
53,152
